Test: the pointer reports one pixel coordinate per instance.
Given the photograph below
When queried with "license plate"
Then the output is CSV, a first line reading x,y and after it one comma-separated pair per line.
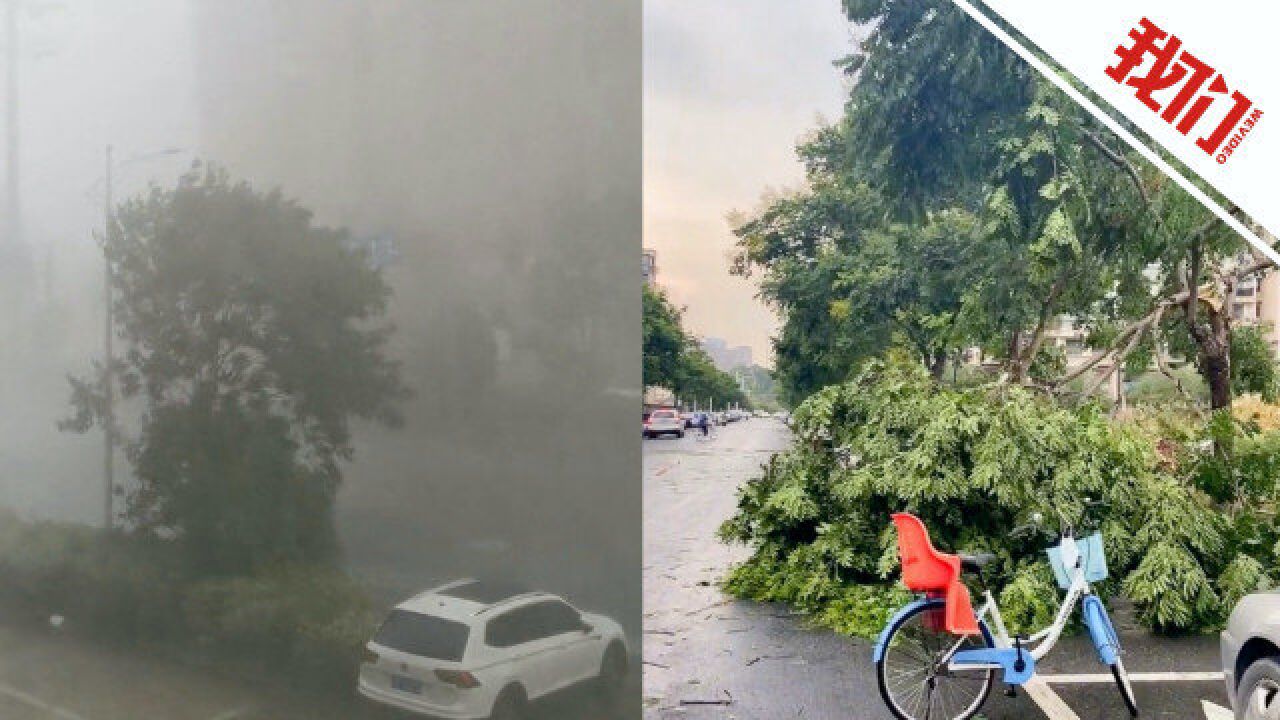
x,y
406,684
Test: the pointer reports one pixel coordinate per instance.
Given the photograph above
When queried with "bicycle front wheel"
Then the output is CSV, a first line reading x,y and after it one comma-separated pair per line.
x,y
1125,687
914,679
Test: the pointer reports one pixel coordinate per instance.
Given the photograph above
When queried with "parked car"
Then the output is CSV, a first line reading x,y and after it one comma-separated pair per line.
x,y
1251,656
689,419
664,422
472,649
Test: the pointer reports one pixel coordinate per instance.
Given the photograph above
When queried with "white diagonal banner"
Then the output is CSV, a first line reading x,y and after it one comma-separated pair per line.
x,y
1195,78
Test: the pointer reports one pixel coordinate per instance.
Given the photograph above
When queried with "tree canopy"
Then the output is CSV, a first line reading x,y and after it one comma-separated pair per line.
x,y
251,339
963,201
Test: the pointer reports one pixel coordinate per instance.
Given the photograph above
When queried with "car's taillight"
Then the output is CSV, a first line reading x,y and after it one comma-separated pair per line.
x,y
458,678
369,656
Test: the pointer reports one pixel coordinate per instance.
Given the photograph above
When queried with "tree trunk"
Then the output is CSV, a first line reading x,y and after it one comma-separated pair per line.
x,y
937,365
1024,357
1014,363
1216,368
1212,336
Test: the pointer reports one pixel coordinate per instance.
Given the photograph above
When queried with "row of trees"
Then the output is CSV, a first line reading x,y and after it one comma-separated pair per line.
x,y
674,360
961,201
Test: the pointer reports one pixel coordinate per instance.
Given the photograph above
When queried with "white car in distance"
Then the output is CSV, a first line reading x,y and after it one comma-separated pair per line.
x,y
472,649
664,421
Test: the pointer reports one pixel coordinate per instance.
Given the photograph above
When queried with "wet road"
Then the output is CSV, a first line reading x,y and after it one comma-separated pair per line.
x,y
708,656
50,676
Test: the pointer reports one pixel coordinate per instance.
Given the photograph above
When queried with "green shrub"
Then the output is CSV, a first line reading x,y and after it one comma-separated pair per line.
x,y
312,621
1253,362
114,588
973,464
307,623
1154,388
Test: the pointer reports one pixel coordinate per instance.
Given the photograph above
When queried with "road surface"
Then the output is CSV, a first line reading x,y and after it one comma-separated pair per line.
x,y
52,676
707,656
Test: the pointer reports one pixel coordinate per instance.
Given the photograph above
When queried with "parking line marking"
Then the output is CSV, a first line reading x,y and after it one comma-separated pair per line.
x,y
1080,679
1214,711
1054,708
39,704
1050,704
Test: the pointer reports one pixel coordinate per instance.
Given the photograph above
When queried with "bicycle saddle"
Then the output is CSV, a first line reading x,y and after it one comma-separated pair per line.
x,y
976,562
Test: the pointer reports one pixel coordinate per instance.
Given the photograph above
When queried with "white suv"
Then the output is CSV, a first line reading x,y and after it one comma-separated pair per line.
x,y
473,649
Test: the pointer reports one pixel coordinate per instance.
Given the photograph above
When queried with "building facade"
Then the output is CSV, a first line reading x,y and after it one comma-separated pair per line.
x,y
725,356
649,266
1255,302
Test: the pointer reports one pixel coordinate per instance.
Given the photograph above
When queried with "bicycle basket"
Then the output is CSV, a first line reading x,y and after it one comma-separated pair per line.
x,y
1092,559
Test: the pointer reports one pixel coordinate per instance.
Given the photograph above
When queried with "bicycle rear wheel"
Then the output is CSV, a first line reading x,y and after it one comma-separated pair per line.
x,y
914,682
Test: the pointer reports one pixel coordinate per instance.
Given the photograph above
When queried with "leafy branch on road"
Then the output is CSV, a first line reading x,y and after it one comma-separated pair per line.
x,y
974,464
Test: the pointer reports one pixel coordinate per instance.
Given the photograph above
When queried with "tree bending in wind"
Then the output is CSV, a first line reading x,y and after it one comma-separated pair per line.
x,y
251,339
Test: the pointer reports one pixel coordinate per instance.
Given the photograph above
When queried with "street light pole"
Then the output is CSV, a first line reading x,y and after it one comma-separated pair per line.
x,y
108,370
108,328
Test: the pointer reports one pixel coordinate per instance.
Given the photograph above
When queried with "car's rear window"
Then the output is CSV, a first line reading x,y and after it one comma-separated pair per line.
x,y
667,414
423,635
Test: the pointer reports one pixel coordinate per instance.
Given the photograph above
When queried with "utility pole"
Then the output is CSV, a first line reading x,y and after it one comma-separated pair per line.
x,y
108,368
109,326
12,208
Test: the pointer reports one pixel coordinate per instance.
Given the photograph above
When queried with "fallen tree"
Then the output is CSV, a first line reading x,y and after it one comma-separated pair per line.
x,y
976,463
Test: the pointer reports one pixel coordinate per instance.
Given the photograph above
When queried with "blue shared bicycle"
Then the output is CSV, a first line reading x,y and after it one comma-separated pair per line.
x,y
937,659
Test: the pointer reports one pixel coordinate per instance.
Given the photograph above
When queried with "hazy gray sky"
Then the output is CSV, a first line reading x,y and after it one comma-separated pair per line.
x,y
92,73
730,85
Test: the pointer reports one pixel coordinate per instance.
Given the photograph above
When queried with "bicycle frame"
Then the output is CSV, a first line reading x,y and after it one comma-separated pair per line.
x,y
1044,640
1015,657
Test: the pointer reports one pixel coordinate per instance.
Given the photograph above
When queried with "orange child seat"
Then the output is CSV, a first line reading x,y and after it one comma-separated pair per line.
x,y
928,571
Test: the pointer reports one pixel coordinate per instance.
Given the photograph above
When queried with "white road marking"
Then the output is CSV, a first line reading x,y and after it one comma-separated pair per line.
x,y
1214,711
1050,704
35,702
1055,709
1106,678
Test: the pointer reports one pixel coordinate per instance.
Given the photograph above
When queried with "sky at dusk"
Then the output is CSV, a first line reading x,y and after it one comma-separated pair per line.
x,y
730,87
